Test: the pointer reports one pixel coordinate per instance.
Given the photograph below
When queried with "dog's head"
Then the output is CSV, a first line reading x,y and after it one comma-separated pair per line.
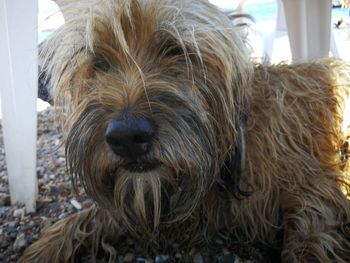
x,y
151,93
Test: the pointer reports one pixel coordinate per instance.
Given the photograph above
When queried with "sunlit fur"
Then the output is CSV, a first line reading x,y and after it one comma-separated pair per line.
x,y
248,152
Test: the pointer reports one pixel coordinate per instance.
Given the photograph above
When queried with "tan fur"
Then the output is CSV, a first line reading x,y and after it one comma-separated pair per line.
x,y
247,151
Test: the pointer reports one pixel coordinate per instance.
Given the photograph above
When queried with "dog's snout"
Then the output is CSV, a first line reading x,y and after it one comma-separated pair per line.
x,y
130,137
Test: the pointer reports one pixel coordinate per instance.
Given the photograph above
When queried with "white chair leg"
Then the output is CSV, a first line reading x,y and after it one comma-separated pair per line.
x,y
318,26
18,89
308,23
333,46
280,25
281,18
295,14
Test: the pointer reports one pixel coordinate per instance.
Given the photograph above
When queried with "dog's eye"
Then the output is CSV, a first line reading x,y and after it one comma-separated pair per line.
x,y
100,63
172,49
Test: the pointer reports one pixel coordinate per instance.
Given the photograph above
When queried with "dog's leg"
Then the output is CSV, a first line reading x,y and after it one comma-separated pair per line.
x,y
312,222
68,238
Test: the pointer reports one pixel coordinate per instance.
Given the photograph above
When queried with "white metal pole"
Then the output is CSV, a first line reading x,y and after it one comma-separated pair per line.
x,y
281,18
295,14
318,26
308,24
18,89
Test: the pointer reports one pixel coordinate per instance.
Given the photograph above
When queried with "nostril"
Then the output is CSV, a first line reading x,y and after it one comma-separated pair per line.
x,y
112,140
141,138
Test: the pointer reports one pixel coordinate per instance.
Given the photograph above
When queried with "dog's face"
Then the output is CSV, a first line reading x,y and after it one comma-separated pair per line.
x,y
149,92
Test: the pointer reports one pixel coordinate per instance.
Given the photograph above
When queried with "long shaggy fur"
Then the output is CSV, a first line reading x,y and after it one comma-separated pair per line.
x,y
246,151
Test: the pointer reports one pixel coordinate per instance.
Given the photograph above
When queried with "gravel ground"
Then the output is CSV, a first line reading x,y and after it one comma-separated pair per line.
x,y
57,200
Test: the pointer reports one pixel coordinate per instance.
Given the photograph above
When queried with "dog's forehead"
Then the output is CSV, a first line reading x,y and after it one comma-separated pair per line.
x,y
124,21
146,36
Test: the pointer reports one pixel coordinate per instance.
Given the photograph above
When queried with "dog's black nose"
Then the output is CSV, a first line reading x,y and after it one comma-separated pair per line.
x,y
130,137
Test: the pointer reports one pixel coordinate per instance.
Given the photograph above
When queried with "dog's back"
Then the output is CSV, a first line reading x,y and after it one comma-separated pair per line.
x,y
297,131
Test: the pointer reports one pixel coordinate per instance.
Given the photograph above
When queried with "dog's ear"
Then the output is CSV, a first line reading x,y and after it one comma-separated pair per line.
x,y
44,87
231,177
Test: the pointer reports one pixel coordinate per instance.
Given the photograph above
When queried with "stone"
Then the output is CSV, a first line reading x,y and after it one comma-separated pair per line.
x,y
20,242
143,260
55,190
128,258
19,213
228,258
198,258
76,204
4,242
5,200
3,210
30,239
162,259
11,229
4,189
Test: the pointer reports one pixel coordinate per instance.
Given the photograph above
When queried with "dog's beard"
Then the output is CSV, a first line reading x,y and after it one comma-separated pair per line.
x,y
141,200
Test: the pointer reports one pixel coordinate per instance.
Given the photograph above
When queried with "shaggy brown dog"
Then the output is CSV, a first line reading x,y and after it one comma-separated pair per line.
x,y
179,137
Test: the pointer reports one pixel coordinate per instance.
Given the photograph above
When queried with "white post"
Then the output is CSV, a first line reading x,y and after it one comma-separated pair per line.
x,y
295,14
333,46
319,14
281,18
18,89
309,25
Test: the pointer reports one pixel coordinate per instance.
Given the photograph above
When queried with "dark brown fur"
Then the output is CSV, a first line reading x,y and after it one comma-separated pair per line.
x,y
246,151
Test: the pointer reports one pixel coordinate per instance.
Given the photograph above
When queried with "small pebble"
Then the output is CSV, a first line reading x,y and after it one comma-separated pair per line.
x,y
12,224
11,229
228,258
193,252
46,178
40,171
20,242
30,239
55,190
186,259
63,215
75,204
3,242
12,236
198,258
3,189
178,255
162,259
3,210
55,207
219,242
142,260
61,160
19,213
5,200
128,258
